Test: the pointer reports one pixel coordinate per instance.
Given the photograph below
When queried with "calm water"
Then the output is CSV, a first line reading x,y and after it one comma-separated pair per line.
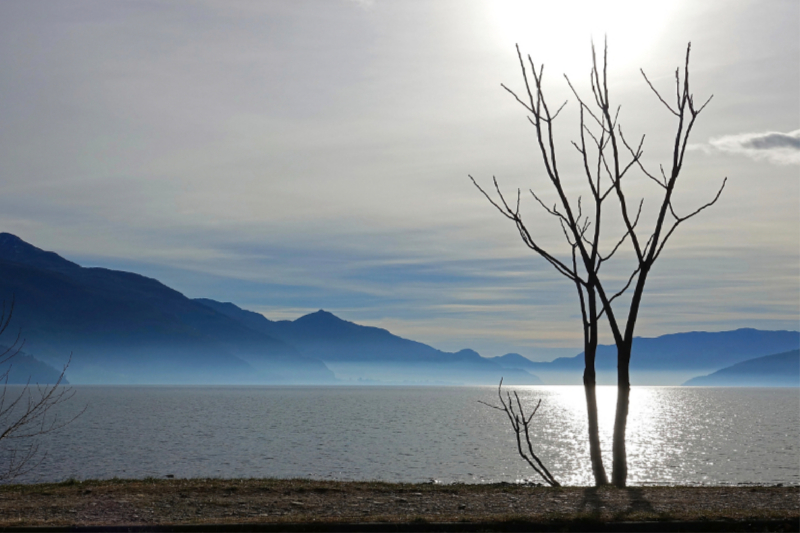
x,y
675,435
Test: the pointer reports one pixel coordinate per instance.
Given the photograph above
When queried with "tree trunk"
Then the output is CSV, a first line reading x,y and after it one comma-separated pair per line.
x,y
590,340
595,453
619,472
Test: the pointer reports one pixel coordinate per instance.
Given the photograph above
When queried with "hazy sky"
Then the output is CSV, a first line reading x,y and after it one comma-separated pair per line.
x,y
291,156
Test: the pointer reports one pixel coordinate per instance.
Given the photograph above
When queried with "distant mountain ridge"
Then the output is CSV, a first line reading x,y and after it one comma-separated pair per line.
x,y
20,368
126,328
777,370
679,356
334,339
515,360
354,351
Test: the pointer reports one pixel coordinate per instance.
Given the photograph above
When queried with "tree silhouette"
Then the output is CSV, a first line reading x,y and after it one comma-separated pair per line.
x,y
521,424
26,414
607,160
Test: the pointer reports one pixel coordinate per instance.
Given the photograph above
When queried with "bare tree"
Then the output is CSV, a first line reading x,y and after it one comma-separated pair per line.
x,y
607,158
584,261
521,424
27,413
587,296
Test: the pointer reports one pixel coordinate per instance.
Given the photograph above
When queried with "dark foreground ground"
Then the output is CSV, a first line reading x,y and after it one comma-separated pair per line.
x,y
301,505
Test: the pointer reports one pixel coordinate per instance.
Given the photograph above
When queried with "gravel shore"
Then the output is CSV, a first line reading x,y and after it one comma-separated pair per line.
x,y
152,502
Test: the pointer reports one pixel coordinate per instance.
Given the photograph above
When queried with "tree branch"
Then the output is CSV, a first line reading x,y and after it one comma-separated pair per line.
x,y
520,423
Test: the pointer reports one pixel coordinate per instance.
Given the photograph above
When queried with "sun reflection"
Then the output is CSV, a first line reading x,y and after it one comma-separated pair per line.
x,y
652,433
674,434
558,33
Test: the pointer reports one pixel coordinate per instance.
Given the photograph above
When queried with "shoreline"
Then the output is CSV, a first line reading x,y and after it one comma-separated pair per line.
x,y
333,505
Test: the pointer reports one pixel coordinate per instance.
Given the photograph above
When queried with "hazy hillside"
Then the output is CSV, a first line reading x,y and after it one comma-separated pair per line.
x,y
126,328
777,370
672,359
356,352
23,368
514,360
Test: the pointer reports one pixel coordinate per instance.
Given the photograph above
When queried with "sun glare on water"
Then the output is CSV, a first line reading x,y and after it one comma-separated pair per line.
x,y
654,424
558,34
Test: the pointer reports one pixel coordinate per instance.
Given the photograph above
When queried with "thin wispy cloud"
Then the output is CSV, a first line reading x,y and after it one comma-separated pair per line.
x,y
776,147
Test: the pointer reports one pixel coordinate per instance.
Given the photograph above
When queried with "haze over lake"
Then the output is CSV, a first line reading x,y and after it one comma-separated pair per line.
x,y
676,435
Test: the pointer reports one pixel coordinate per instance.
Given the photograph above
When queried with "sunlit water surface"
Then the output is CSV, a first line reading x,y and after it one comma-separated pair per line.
x,y
675,435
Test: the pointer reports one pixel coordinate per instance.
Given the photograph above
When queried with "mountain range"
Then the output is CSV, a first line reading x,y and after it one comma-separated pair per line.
x,y
125,328
670,359
780,369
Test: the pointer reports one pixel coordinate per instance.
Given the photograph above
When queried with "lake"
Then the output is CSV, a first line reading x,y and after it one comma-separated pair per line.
x,y
676,435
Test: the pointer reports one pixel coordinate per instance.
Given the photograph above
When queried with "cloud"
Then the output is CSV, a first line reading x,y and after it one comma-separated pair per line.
x,y
366,4
776,147
769,141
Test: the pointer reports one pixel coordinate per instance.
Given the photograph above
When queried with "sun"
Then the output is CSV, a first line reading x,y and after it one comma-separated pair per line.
x,y
559,33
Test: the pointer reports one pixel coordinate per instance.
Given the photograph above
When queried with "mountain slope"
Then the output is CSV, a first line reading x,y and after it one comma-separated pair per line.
x,y
672,359
334,339
514,360
20,368
126,328
777,370
355,351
